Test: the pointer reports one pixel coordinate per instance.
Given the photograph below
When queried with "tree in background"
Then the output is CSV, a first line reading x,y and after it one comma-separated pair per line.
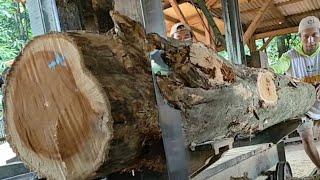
x,y
15,30
282,45
279,45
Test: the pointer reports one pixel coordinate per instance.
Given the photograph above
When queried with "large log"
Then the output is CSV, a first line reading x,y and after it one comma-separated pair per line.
x,y
81,105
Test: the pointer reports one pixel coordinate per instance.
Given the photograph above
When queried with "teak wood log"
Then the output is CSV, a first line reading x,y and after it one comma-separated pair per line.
x,y
81,105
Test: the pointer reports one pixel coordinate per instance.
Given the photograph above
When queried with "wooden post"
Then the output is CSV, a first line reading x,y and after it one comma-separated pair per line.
x,y
247,35
265,45
255,56
207,31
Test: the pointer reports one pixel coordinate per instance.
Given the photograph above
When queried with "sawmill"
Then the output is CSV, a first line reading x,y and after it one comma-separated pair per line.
x,y
161,89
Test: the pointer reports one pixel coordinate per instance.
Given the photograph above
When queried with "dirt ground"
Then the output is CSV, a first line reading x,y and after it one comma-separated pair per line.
x,y
299,161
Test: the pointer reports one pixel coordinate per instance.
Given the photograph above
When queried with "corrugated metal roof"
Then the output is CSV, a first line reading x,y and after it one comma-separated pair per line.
x,y
283,14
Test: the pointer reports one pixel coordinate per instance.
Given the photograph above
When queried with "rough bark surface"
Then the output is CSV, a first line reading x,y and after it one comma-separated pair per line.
x,y
111,119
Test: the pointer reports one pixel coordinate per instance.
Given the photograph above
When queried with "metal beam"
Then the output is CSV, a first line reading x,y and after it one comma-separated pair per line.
x,y
43,16
13,169
148,13
154,17
233,31
242,163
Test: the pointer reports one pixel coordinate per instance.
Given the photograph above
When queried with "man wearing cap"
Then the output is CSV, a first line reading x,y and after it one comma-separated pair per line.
x,y
181,32
303,63
178,31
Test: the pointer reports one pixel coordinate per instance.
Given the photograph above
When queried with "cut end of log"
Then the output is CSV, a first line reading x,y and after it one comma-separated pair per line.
x,y
267,88
58,120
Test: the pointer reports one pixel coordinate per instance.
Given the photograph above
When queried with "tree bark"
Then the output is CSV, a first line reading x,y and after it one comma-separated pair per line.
x,y
81,105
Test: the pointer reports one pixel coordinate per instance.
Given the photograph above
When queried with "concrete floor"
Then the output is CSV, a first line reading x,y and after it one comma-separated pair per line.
x,y
299,161
6,153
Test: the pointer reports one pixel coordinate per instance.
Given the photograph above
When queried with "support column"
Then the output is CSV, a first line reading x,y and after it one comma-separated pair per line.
x,y
233,31
149,13
43,16
255,55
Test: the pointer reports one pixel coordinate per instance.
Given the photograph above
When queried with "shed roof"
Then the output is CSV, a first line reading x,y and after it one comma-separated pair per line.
x,y
281,17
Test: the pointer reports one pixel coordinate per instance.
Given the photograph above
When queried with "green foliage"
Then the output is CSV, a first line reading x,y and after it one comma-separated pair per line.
x,y
291,40
15,30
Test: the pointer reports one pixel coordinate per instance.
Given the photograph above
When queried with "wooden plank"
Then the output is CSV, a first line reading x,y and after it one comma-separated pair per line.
x,y
288,18
276,5
205,24
275,21
275,10
211,3
207,31
277,32
287,3
256,21
178,11
252,45
265,45
218,5
171,19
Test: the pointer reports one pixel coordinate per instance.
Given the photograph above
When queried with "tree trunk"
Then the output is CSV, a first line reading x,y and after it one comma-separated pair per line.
x,y
81,105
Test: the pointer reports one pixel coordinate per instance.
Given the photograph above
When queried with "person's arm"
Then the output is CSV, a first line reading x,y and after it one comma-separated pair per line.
x,y
282,65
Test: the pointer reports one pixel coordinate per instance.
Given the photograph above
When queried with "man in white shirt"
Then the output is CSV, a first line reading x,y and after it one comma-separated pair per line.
x,y
303,63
